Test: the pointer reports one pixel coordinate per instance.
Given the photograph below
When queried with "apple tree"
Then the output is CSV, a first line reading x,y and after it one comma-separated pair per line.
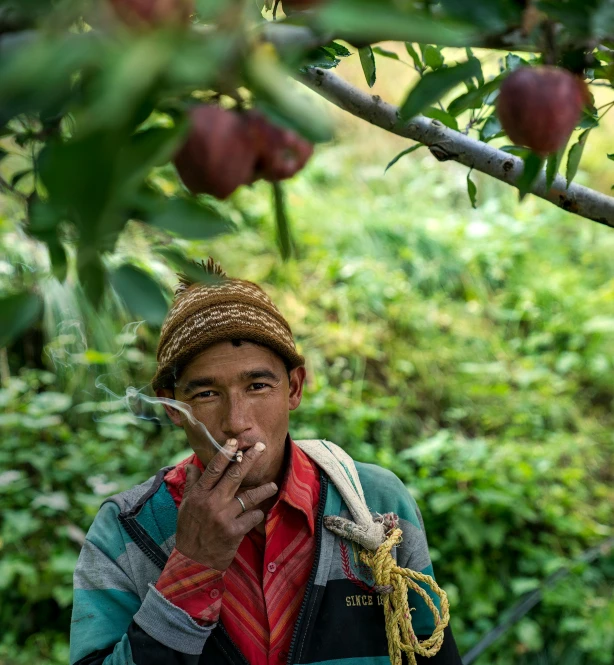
x,y
96,96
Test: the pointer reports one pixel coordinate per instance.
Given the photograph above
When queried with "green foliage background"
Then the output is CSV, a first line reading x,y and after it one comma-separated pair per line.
x,y
470,351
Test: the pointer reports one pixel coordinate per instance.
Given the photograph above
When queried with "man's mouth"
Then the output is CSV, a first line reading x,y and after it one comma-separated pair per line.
x,y
243,446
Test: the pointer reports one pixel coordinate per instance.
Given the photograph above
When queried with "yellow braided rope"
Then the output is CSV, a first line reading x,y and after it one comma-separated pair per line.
x,y
399,629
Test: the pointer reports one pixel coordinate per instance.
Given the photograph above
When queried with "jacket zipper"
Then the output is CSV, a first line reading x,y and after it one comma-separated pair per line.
x,y
140,541
309,589
312,576
223,630
155,558
141,538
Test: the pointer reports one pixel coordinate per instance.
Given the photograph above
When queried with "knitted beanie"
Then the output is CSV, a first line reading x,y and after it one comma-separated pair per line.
x,y
220,309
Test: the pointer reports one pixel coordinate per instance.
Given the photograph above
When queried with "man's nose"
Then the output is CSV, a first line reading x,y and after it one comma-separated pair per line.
x,y
235,418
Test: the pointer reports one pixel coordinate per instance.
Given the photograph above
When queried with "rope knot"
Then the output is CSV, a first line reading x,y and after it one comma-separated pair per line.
x,y
394,583
389,521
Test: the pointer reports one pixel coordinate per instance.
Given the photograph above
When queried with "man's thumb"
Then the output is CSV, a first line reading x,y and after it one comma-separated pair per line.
x,y
192,474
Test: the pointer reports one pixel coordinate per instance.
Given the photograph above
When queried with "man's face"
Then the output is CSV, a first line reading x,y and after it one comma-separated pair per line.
x,y
241,392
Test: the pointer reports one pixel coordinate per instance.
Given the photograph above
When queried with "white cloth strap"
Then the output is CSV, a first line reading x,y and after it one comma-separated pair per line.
x,y
340,468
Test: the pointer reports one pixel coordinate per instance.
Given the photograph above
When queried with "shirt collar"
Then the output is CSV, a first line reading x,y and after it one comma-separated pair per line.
x,y
300,488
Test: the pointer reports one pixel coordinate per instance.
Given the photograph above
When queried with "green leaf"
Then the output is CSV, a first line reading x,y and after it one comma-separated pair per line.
x,y
517,150
18,312
513,61
149,148
474,98
378,50
490,129
16,178
43,220
285,105
59,260
491,16
611,156
433,85
532,168
35,70
367,60
79,177
195,61
190,219
602,20
443,116
413,54
552,166
338,49
574,157
472,191
91,273
407,151
365,19
126,82
589,119
321,57
141,293
284,232
480,76
432,56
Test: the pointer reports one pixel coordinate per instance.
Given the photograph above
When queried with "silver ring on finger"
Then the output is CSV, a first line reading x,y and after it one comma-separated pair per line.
x,y
240,500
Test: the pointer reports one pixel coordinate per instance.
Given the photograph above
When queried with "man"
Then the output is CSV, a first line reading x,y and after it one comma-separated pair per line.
x,y
223,561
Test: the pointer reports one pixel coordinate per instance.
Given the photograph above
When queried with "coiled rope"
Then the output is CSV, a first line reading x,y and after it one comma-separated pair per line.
x,y
376,537
395,583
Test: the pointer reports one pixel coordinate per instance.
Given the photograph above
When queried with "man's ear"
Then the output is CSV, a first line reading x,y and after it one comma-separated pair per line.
x,y
175,415
297,379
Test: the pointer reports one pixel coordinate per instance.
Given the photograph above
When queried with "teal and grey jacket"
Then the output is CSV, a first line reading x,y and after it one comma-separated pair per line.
x,y
119,618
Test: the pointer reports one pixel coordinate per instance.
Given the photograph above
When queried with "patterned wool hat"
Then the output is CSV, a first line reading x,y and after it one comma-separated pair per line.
x,y
220,309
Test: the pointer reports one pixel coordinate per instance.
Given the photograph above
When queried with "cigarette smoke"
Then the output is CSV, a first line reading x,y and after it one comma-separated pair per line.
x,y
134,400
68,353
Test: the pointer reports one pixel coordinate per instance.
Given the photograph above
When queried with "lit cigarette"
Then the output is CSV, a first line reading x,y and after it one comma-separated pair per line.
x,y
238,456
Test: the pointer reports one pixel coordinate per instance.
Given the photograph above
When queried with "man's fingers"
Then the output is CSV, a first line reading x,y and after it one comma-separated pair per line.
x,y
230,481
192,474
216,467
248,520
253,497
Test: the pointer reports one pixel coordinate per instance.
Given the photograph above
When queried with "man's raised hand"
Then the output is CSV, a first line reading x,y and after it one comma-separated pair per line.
x,y
211,523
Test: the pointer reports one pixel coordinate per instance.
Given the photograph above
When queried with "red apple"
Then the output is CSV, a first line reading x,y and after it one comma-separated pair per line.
x,y
281,152
539,107
219,154
154,13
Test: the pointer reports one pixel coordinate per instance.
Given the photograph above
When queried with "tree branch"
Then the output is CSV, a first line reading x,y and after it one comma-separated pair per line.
x,y
289,39
447,144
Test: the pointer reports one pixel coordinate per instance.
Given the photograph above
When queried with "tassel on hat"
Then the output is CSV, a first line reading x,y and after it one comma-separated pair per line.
x,y
212,269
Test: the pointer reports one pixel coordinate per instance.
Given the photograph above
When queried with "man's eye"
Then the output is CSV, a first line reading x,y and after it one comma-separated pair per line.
x,y
259,386
205,393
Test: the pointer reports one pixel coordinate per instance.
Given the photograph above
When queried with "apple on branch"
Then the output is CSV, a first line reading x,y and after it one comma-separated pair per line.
x,y
539,107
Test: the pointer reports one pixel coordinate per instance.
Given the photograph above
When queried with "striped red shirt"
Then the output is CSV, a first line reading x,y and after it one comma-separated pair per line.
x,y
258,597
